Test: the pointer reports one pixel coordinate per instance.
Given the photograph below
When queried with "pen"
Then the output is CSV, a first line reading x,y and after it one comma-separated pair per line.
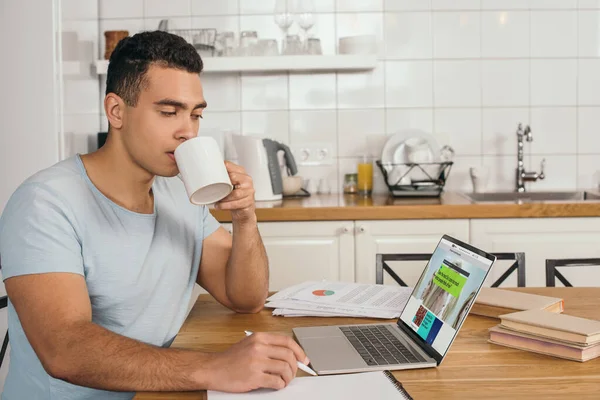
x,y
303,367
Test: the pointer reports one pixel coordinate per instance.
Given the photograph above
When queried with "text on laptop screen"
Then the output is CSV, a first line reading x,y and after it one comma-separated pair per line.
x,y
444,293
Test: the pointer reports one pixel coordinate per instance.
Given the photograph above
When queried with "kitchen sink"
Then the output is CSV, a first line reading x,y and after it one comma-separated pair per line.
x,y
532,197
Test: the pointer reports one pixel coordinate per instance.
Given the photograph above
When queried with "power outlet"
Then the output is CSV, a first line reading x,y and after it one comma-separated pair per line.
x,y
313,154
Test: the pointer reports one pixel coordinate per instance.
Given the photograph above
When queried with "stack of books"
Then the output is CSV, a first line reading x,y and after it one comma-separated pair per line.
x,y
549,333
493,302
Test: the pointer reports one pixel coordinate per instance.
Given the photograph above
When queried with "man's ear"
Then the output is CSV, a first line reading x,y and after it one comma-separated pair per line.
x,y
114,106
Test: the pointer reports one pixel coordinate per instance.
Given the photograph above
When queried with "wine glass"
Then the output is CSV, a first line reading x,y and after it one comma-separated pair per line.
x,y
306,16
284,18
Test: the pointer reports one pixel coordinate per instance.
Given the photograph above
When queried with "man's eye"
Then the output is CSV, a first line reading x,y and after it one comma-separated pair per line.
x,y
197,116
168,113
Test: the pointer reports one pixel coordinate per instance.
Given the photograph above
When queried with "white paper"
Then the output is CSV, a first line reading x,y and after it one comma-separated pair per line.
x,y
340,299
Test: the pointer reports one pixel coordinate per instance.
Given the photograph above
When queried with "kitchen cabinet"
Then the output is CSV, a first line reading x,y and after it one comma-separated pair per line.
x,y
405,236
542,238
302,251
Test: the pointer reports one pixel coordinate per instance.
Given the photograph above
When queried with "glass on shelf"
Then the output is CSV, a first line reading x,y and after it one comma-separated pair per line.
x,y
283,14
313,46
267,47
292,45
305,16
248,43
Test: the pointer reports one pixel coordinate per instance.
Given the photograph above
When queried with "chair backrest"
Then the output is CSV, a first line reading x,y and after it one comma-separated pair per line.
x,y
552,273
383,259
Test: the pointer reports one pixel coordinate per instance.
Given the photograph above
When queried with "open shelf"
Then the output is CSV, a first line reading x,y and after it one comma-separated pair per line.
x,y
346,62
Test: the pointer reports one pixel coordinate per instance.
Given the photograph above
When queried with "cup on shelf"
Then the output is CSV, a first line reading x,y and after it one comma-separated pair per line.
x,y
313,46
267,47
361,44
292,45
248,43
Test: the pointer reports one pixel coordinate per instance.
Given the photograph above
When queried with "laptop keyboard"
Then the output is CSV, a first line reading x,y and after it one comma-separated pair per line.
x,y
378,346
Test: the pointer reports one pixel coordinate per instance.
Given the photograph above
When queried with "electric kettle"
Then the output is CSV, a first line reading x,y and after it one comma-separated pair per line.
x,y
260,159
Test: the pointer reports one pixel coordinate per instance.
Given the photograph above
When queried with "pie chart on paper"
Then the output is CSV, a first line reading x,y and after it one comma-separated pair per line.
x,y
323,292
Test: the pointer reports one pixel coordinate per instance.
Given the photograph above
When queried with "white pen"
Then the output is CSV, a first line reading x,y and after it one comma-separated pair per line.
x,y
303,367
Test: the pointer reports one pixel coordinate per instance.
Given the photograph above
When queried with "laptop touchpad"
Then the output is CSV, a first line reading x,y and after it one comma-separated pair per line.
x,y
332,353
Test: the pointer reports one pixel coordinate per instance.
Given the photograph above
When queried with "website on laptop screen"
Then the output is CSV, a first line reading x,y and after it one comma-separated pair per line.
x,y
444,293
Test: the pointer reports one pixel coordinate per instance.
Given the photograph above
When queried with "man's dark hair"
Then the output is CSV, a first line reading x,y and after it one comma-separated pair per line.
x,y
133,55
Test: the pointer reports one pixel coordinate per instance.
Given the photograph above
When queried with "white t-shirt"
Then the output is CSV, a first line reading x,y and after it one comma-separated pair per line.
x,y
140,269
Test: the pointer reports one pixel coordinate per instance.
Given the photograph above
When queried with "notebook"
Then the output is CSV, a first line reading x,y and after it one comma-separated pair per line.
x,y
537,344
554,326
493,302
380,385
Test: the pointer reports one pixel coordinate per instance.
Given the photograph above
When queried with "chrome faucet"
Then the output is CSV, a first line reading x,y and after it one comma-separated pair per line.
x,y
522,175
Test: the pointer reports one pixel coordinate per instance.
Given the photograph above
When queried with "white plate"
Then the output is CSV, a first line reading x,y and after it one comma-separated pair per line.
x,y
394,152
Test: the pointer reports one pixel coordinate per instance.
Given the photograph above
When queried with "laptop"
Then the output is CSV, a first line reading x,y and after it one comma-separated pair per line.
x,y
428,324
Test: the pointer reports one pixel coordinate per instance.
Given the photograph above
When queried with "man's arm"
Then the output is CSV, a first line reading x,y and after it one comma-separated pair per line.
x,y
236,270
55,312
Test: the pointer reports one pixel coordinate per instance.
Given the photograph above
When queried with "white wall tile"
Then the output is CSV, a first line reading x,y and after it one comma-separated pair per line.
x,y
268,124
553,82
552,4
79,10
457,84
120,9
456,35
554,33
268,6
222,91
361,24
408,84
456,4
81,96
499,129
172,8
560,172
459,128
588,172
264,92
359,5
175,23
312,91
554,130
211,7
587,4
504,4
360,130
82,123
408,35
459,179
401,119
132,25
222,120
589,82
505,82
222,23
589,33
361,89
319,126
589,127
407,5
502,175
83,43
505,34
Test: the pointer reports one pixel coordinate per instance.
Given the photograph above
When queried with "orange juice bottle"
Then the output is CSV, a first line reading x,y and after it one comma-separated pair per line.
x,y
365,177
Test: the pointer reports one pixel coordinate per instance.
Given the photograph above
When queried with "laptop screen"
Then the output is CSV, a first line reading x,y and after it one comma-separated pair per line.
x,y
445,292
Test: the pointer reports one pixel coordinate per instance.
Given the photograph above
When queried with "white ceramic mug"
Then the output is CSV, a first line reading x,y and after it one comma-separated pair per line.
x,y
202,170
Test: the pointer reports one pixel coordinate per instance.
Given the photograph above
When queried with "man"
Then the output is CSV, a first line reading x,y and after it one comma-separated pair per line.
x,y
100,252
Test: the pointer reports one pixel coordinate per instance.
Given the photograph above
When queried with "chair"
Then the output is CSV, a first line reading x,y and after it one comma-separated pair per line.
x,y
552,273
3,304
382,259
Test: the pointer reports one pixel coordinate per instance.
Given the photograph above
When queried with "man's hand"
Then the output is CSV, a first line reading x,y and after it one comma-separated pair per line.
x,y
241,200
262,360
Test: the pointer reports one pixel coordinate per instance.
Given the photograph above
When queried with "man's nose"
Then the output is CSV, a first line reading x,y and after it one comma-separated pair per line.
x,y
187,130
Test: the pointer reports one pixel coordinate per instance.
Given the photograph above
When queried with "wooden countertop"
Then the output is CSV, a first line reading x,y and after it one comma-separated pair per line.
x,y
473,369
382,207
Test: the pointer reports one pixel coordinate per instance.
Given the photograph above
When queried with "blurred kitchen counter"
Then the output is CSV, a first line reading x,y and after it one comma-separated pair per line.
x,y
450,205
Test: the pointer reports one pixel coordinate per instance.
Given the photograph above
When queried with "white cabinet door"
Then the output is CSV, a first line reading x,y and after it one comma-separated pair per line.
x,y
302,251
405,236
542,238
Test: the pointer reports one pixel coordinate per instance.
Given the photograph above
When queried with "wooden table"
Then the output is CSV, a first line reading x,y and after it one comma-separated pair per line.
x,y
473,369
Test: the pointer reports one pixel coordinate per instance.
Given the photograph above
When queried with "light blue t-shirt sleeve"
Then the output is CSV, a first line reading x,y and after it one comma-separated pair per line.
x,y
37,234
209,223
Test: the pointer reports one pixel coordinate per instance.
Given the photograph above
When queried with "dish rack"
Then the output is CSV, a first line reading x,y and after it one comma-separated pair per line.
x,y
415,180
203,40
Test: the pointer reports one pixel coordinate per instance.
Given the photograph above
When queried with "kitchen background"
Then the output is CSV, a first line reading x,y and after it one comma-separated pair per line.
x,y
467,71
